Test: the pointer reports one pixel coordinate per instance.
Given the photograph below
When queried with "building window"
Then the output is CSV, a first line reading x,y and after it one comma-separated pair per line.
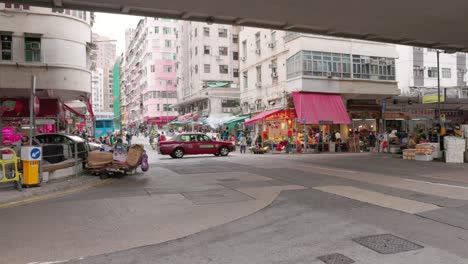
x,y
33,49
166,107
196,50
196,69
235,55
168,43
244,49
418,71
235,73
223,51
432,72
258,44
259,74
167,68
206,50
324,64
195,32
273,38
157,107
223,69
167,56
5,46
431,50
206,68
167,30
152,68
245,78
206,31
446,73
235,38
156,30
222,33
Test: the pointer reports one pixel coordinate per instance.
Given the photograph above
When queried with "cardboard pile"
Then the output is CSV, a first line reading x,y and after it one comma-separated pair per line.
x,y
454,149
409,154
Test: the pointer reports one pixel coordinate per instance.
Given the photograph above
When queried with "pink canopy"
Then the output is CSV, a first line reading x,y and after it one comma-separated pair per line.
x,y
261,116
316,107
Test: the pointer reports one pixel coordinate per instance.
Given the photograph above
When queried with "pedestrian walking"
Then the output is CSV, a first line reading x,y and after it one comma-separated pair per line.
x,y
162,137
128,137
242,143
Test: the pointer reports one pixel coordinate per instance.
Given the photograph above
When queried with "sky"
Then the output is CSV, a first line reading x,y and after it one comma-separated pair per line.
x,y
113,27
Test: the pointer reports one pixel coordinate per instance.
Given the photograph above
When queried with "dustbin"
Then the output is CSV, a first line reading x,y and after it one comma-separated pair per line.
x,y
31,156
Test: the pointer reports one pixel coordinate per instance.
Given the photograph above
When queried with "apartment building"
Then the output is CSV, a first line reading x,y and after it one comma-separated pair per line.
x,y
148,75
284,71
417,72
104,58
207,70
52,44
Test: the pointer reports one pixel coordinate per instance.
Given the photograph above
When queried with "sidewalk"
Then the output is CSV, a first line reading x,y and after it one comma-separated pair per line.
x,y
10,196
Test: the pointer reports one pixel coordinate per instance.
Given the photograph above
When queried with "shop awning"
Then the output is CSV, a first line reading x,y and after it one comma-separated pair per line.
x,y
233,122
315,107
262,116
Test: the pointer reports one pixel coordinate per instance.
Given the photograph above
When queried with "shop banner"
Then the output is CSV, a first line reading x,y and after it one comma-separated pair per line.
x,y
394,115
432,98
422,113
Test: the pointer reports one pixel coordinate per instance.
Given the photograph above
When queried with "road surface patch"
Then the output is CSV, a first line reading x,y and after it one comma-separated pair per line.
x,y
387,244
383,200
336,258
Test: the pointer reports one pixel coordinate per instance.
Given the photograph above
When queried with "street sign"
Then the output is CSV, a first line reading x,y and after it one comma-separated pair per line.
x,y
37,105
322,123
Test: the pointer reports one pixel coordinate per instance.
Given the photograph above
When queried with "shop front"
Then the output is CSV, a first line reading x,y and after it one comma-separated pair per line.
x,y
15,121
312,113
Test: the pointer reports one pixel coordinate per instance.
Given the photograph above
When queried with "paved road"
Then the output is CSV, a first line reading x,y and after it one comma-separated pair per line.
x,y
321,204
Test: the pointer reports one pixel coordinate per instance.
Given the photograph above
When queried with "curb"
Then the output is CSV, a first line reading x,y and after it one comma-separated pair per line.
x,y
52,194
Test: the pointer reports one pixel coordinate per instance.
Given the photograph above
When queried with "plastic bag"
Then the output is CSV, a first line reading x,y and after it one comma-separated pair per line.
x,y
144,162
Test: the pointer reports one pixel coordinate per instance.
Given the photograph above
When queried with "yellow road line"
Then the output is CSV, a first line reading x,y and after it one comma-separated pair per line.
x,y
52,195
380,199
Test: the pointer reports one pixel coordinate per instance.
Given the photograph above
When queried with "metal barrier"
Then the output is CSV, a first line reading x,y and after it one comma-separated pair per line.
x,y
78,151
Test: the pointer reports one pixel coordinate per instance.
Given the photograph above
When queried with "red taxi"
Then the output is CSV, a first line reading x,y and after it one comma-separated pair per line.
x,y
194,144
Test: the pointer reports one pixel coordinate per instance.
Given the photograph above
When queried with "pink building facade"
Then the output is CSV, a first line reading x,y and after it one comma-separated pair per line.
x,y
151,70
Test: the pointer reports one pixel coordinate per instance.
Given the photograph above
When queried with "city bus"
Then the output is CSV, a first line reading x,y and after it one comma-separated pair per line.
x,y
104,127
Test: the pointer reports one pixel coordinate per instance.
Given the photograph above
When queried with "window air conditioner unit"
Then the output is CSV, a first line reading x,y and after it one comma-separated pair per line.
x,y
242,58
272,66
271,45
258,85
258,51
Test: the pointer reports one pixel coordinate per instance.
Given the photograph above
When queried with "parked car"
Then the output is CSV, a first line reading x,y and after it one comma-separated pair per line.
x,y
54,146
194,144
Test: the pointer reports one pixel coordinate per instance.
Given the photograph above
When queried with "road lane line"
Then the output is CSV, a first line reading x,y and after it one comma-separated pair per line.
x,y
52,195
440,184
382,200
394,182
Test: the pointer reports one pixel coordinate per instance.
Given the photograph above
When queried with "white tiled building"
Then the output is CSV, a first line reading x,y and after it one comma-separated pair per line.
x,y
417,72
207,69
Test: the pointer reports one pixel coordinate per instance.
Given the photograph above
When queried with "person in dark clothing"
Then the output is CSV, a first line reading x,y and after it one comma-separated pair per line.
x,y
371,139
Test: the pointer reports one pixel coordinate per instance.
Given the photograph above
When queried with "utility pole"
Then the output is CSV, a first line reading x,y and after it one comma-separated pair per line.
x,y
438,85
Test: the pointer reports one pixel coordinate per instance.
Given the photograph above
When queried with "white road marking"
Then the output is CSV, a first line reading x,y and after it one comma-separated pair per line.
x,y
440,184
380,199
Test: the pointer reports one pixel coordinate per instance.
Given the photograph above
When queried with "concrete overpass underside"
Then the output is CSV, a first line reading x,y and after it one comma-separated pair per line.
x,y
427,23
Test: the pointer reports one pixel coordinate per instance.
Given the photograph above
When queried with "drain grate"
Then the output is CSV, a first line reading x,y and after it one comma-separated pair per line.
x,y
387,243
336,258
228,180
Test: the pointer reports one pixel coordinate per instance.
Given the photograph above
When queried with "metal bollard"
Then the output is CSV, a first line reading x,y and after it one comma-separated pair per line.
x,y
76,160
